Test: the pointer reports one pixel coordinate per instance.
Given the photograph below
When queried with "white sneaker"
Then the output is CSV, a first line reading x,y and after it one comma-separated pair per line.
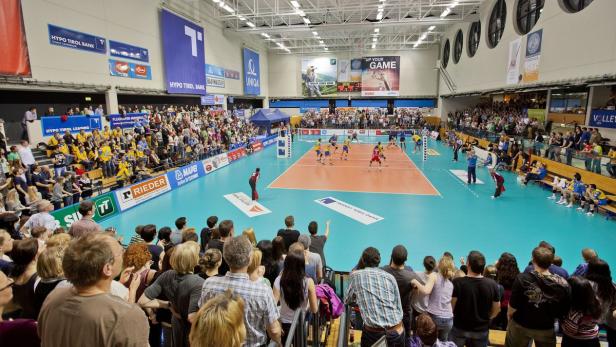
x,y
493,197
570,206
553,197
562,202
580,208
589,213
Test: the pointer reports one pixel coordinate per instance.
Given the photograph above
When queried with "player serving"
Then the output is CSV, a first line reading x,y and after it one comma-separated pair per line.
x,y
346,145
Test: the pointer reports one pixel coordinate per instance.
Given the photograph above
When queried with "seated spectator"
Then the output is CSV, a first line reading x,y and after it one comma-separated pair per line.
x,y
317,242
376,293
260,313
49,270
475,301
538,298
209,263
86,223
593,198
219,322
24,256
289,234
15,332
181,287
294,290
33,196
6,245
428,333
80,315
537,174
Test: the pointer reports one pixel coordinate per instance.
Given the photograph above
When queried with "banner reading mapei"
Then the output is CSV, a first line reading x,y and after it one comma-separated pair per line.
x,y
603,119
185,174
104,207
184,54
380,76
74,124
252,72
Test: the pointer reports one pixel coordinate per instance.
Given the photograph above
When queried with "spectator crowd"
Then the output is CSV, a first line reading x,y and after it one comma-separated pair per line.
x,y
363,119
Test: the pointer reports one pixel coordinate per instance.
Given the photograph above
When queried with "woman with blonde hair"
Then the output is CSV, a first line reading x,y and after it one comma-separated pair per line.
x,y
250,234
210,263
219,322
33,195
50,272
255,269
181,287
13,203
440,289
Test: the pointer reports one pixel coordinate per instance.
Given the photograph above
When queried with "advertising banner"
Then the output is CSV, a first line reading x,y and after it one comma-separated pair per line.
x,y
256,146
348,210
513,63
212,99
13,45
124,50
74,124
216,162
185,174
127,69
380,76
270,140
603,119
252,72
74,39
319,76
214,76
537,113
104,207
356,70
128,121
143,191
184,54
344,70
245,204
236,154
533,55
232,74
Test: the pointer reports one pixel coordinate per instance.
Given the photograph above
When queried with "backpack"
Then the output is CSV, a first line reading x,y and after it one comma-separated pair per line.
x,y
334,306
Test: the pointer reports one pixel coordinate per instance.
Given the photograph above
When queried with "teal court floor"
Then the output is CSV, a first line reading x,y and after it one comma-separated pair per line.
x,y
462,218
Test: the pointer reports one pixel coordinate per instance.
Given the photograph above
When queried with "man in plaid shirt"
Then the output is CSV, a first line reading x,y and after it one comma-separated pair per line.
x,y
376,293
260,312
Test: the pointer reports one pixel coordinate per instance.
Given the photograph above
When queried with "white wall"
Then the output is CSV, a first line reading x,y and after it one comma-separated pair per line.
x,y
135,22
417,74
575,45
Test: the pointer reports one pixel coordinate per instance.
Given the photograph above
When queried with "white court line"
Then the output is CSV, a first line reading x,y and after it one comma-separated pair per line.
x,y
466,186
357,166
289,168
353,191
424,175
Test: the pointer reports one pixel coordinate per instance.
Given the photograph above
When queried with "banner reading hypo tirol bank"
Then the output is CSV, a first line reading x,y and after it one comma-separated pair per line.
x,y
184,55
533,54
380,76
252,73
319,76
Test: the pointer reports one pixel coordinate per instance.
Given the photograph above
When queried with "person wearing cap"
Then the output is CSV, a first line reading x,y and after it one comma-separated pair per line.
x,y
41,219
86,224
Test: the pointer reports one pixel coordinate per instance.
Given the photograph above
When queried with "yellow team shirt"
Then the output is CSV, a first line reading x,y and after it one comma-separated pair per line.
x,y
107,134
82,138
105,153
347,143
317,147
380,147
416,138
124,171
117,133
599,195
64,149
81,156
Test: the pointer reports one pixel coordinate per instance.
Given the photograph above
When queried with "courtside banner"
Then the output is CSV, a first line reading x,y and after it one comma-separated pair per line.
x,y
236,154
603,118
74,124
143,191
13,45
104,206
270,140
74,39
380,76
185,174
257,146
184,54
216,162
252,72
349,210
246,205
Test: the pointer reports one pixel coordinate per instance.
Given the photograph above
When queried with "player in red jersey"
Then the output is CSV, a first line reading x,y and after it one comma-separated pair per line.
x,y
376,156
253,184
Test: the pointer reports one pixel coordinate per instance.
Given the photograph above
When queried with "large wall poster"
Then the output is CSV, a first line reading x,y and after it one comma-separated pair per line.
x,y
380,76
319,76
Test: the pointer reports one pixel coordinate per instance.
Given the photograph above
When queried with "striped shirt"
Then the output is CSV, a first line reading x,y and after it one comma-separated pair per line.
x,y
259,307
376,293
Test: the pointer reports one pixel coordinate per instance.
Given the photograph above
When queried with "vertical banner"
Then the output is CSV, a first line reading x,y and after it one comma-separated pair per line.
x,y
533,53
319,76
513,62
380,76
252,73
15,60
344,70
184,54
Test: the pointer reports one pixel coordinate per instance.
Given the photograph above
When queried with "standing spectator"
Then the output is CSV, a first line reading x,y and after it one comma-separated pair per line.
x,y
555,269
428,333
588,254
289,234
87,314
209,263
313,259
49,270
29,117
15,332
226,231
376,293
580,325
404,276
472,166
506,272
601,279
420,301
221,319
176,235
20,184
99,111
181,287
267,260
24,256
538,298
206,233
148,233
440,288
85,224
475,301
41,181
317,242
260,313
25,153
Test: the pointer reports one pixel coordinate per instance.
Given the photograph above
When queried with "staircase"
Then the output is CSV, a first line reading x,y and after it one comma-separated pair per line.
x,y
41,157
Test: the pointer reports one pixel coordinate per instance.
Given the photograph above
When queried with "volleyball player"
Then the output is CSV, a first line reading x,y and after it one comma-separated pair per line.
x,y
252,181
328,154
381,151
376,155
392,140
354,138
417,141
499,180
334,142
345,148
317,149
402,141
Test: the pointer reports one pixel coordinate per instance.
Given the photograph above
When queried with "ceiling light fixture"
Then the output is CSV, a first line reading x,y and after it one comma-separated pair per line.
x,y
379,16
295,4
216,1
265,35
446,12
250,24
321,42
376,30
315,33
380,7
229,9
301,13
306,20
373,46
432,27
374,39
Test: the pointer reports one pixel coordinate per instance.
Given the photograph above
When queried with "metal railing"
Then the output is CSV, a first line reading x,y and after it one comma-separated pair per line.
x,y
297,333
345,327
